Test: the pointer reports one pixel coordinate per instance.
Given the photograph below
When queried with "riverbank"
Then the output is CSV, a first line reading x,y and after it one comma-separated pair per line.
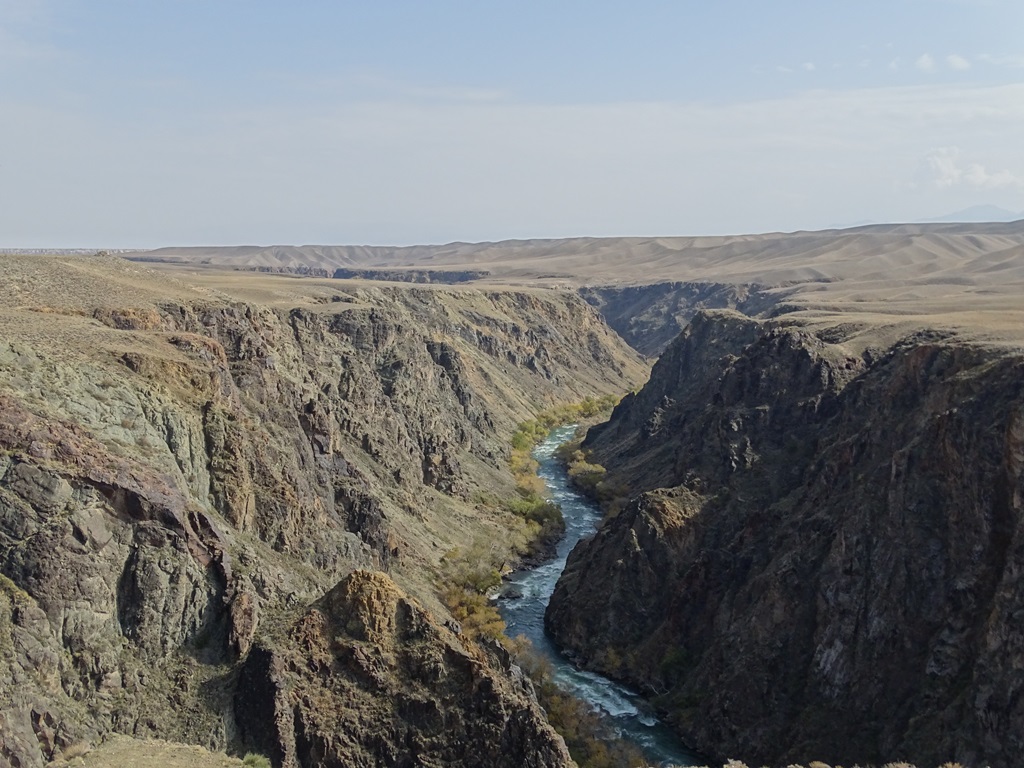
x,y
524,600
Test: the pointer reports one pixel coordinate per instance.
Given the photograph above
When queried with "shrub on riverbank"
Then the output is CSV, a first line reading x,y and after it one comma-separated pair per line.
x,y
524,466
468,577
590,479
592,742
543,519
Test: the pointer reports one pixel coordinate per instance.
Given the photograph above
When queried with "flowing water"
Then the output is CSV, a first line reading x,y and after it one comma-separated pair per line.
x,y
628,713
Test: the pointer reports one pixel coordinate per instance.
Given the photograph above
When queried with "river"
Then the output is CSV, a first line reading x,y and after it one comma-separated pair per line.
x,y
628,713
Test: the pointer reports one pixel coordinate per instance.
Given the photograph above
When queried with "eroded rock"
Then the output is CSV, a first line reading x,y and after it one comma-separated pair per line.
x,y
367,678
824,556
194,469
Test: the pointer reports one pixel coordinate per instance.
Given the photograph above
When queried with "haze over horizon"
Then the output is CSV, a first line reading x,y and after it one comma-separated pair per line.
x,y
215,123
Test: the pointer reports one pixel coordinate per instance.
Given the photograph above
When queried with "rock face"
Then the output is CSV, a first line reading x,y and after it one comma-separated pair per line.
x,y
177,472
824,556
366,678
649,317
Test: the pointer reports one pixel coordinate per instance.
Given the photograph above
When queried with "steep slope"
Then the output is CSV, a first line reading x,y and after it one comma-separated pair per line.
x,y
180,467
119,751
823,558
366,678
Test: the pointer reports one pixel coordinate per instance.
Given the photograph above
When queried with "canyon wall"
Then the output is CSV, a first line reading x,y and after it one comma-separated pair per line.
x,y
182,477
649,317
823,553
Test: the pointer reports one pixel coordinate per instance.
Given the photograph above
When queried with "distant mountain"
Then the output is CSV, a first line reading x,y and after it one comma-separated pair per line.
x,y
979,213
976,214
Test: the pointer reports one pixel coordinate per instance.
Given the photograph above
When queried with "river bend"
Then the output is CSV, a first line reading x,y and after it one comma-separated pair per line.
x,y
629,714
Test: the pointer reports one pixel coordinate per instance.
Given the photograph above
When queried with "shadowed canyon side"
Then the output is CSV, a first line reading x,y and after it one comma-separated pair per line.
x,y
185,470
649,317
822,555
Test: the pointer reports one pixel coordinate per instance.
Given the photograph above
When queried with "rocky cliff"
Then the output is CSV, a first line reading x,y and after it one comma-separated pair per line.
x,y
365,677
183,468
823,555
649,317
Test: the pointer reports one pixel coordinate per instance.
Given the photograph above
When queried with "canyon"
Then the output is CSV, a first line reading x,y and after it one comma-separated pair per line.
x,y
193,486
821,553
229,485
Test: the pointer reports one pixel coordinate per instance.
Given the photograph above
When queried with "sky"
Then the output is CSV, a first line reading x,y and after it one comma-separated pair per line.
x,y
132,123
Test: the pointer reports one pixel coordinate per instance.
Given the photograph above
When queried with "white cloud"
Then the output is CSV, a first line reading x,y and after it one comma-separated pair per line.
x,y
958,62
1012,61
808,66
895,64
925,63
948,171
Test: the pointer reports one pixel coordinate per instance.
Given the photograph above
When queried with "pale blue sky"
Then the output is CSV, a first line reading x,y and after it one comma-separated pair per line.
x,y
221,121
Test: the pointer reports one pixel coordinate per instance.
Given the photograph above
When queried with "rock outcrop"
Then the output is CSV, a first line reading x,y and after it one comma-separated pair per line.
x,y
366,678
179,469
823,557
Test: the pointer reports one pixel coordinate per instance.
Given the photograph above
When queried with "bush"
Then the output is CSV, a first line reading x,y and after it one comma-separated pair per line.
x,y
591,479
474,570
591,740
524,467
586,475
476,614
468,578
254,760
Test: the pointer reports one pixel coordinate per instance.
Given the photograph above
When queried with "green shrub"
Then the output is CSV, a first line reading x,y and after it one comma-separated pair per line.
x,y
586,475
477,615
474,570
254,760
591,479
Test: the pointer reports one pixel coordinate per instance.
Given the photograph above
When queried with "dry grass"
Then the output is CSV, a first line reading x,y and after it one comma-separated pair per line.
x,y
121,751
879,253
886,281
968,278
